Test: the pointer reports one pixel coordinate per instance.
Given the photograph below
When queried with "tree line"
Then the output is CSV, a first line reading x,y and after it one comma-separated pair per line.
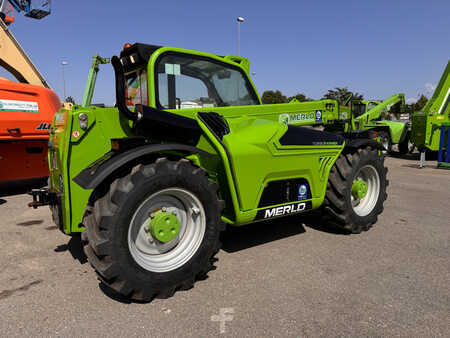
x,y
340,94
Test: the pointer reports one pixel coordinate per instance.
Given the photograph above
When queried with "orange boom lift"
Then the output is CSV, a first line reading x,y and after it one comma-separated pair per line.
x,y
27,106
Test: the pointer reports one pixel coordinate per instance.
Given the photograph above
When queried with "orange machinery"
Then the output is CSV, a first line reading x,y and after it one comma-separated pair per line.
x,y
26,107
26,112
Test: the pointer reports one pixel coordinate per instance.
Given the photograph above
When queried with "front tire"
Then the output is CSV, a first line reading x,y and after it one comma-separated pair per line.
x,y
356,190
125,239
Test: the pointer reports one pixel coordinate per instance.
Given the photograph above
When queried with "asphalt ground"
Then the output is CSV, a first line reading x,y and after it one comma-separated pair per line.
x,y
290,277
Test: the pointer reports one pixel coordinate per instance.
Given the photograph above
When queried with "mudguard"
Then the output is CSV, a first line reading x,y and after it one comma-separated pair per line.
x,y
95,174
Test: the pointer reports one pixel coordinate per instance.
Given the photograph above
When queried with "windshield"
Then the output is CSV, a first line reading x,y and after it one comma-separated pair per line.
x,y
358,109
186,81
136,88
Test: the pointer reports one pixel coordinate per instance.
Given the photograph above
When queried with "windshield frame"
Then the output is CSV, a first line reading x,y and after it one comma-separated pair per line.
x,y
225,63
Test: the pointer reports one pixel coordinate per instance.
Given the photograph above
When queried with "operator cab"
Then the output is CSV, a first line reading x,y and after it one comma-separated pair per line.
x,y
361,107
184,80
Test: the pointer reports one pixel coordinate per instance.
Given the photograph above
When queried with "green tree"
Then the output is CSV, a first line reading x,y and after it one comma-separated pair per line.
x,y
342,94
271,97
421,102
417,106
300,97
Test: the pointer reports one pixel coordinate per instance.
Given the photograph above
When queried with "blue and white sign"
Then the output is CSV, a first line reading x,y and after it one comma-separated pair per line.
x,y
318,116
302,192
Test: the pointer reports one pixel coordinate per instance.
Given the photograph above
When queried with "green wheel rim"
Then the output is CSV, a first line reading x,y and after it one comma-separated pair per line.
x,y
359,188
164,226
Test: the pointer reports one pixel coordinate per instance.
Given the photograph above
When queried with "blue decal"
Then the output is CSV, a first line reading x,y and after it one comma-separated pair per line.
x,y
302,192
318,116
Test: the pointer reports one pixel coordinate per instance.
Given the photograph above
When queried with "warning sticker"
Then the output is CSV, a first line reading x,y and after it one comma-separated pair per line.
x,y
172,69
19,106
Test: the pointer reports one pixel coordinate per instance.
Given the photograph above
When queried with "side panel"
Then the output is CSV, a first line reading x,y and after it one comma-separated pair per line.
x,y
26,111
21,160
258,160
74,149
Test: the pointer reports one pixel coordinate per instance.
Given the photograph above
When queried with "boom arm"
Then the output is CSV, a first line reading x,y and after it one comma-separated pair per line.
x,y
30,9
92,78
440,101
376,111
16,61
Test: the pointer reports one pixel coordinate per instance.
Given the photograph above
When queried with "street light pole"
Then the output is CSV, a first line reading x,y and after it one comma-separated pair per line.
x,y
64,63
239,20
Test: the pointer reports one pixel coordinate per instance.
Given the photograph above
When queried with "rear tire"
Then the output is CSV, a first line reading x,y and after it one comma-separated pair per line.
x,y
404,147
385,140
120,248
341,207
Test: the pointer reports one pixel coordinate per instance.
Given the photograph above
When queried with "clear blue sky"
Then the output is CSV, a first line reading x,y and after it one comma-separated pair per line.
x,y
374,47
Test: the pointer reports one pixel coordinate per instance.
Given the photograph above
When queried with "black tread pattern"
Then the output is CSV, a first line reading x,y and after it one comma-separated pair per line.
x,y
337,209
98,238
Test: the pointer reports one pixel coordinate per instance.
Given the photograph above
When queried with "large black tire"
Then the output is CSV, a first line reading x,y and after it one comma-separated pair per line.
x,y
385,140
108,220
404,146
338,208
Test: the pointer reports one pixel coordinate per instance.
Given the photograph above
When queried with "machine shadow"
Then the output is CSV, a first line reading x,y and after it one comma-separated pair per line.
x,y
409,157
21,187
240,238
75,247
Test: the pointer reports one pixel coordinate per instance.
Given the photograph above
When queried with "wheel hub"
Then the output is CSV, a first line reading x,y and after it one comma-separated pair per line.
x,y
359,189
164,226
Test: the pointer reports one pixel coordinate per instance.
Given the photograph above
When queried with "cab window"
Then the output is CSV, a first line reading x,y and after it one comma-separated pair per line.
x,y
185,81
358,109
136,88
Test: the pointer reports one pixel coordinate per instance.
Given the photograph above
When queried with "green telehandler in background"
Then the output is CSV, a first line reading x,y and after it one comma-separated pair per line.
x,y
427,123
368,116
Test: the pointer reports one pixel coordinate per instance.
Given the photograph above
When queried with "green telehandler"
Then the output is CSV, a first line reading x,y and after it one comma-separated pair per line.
x,y
368,114
426,124
189,148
